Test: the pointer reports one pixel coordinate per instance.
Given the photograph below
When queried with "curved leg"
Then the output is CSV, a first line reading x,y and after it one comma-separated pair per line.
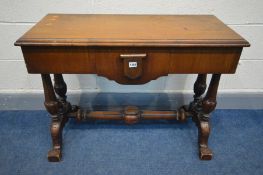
x,y
54,107
199,90
60,88
199,87
202,111
55,154
203,134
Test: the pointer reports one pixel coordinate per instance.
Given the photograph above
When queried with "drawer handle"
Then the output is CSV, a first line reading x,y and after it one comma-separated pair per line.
x,y
142,55
133,65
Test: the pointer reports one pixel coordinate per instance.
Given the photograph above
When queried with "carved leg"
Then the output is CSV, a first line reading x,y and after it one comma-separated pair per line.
x,y
54,107
199,90
60,88
199,87
201,112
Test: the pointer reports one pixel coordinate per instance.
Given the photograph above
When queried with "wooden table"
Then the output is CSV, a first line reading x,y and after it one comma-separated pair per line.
x,y
130,49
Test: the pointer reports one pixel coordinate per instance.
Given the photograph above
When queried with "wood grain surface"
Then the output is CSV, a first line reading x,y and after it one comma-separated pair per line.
x,y
131,30
107,61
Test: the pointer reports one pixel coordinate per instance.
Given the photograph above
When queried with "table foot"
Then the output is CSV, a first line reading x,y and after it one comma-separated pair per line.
x,y
54,155
56,128
205,153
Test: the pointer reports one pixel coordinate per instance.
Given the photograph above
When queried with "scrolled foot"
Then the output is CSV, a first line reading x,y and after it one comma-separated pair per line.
x,y
54,155
205,153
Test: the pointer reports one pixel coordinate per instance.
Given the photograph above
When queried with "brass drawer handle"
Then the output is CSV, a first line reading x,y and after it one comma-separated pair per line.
x,y
142,55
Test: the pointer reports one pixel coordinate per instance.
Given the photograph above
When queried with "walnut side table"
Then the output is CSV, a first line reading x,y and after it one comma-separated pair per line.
x,y
130,49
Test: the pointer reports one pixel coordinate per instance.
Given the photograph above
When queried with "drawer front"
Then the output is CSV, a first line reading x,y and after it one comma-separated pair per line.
x,y
130,65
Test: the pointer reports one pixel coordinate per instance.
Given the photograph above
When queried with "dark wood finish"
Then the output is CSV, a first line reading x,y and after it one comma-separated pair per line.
x,y
107,62
53,107
130,115
131,49
58,108
131,70
201,108
199,89
131,30
199,86
60,86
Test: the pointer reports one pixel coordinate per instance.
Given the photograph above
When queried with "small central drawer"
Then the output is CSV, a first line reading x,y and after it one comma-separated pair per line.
x,y
132,66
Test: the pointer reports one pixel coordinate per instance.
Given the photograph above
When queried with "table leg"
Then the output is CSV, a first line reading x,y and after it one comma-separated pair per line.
x,y
201,113
60,86
199,90
54,107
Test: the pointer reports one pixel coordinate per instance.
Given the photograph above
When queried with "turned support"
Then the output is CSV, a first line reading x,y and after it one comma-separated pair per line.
x,y
201,108
130,115
60,86
199,86
54,107
199,90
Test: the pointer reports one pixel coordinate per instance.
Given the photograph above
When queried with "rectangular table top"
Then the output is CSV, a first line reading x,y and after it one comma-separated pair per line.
x,y
131,30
